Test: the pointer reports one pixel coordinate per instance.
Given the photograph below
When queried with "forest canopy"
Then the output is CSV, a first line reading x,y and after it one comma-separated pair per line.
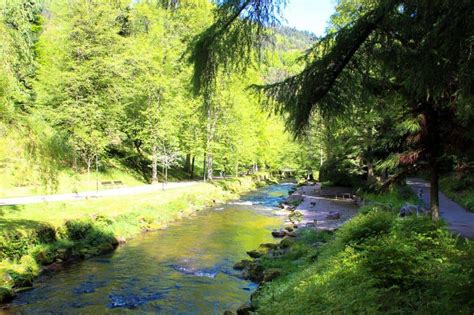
x,y
87,83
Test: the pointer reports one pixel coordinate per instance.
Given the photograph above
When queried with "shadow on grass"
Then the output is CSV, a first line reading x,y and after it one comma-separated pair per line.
x,y
10,225
9,209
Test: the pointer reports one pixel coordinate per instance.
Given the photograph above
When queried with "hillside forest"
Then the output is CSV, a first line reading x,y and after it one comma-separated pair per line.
x,y
99,86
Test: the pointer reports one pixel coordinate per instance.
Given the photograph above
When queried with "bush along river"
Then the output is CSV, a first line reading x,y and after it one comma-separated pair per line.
x,y
185,269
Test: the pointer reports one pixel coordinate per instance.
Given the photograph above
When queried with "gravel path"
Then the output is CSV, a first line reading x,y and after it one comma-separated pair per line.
x,y
317,207
122,191
459,220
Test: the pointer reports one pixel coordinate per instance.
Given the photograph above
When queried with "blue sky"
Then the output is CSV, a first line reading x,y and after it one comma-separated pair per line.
x,y
309,15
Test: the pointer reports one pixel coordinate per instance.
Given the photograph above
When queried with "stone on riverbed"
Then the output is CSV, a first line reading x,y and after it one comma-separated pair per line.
x,y
254,272
333,215
262,250
271,273
245,309
6,295
278,233
286,242
255,253
241,265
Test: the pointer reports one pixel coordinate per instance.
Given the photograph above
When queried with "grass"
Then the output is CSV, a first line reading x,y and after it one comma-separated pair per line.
x,y
459,190
56,213
375,263
18,183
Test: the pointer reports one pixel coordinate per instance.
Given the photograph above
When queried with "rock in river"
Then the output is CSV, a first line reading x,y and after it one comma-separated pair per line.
x,y
278,233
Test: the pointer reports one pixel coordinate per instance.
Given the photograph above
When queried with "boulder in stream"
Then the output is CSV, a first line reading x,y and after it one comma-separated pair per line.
x,y
241,265
279,233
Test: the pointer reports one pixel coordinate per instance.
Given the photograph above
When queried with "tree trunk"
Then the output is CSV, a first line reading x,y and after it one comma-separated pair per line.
x,y
192,167
187,163
154,165
434,191
210,168
370,172
204,167
89,166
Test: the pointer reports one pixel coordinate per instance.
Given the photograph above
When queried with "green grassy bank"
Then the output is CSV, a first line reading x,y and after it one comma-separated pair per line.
x,y
375,263
41,237
459,190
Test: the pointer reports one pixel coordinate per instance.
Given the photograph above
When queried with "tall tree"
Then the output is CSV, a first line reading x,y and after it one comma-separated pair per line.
x,y
424,47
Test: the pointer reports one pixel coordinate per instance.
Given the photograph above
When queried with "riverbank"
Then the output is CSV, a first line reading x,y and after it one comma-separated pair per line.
x,y
42,237
377,262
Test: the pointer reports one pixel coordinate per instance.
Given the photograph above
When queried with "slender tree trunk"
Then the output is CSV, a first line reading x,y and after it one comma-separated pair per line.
x,y
89,166
154,165
434,190
210,168
187,163
192,167
204,166
433,146
321,161
370,172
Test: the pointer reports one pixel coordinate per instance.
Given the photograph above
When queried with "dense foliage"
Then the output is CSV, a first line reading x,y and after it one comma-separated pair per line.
x,y
376,263
392,81
86,83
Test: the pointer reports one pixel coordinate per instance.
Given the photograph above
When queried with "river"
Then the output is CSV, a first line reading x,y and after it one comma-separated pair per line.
x,y
184,269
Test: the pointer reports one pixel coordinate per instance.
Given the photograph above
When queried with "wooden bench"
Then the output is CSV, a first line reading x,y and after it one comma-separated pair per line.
x,y
111,183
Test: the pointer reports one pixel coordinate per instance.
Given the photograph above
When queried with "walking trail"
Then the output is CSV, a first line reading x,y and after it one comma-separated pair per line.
x,y
459,220
123,191
318,204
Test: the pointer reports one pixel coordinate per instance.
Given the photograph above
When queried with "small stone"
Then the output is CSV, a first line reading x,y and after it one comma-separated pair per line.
x,y
255,253
269,245
286,242
241,265
278,233
6,295
333,215
254,272
245,309
271,273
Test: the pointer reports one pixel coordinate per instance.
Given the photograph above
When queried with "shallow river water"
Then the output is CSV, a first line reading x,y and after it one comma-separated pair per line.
x,y
185,269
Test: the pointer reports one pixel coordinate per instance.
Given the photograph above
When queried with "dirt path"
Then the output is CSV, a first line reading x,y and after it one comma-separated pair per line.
x,y
123,191
316,206
459,220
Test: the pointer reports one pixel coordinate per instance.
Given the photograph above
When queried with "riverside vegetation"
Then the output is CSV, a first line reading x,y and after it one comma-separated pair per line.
x,y
37,238
375,263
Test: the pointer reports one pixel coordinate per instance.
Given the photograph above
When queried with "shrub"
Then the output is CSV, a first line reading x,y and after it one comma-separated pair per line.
x,y
13,245
365,226
45,233
77,230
